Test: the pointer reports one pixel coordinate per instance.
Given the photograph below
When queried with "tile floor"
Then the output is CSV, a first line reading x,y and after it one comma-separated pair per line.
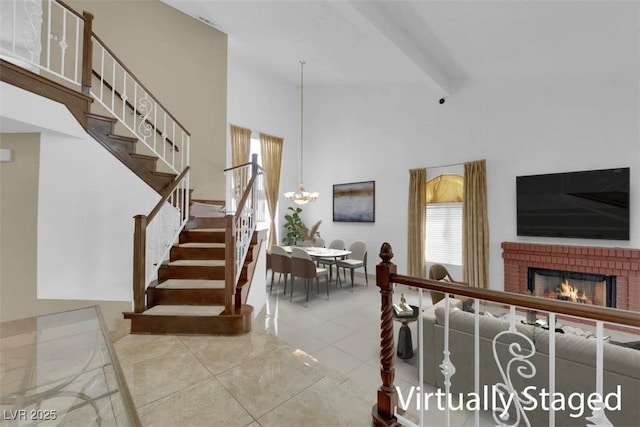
x,y
302,365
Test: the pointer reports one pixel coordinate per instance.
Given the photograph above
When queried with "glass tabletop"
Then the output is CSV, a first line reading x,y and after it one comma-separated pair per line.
x,y
61,369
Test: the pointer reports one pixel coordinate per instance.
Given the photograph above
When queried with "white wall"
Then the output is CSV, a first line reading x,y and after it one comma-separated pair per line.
x,y
520,126
268,105
86,202
85,220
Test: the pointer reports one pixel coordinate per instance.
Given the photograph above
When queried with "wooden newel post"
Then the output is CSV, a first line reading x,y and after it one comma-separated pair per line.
x,y
87,52
383,411
230,263
139,262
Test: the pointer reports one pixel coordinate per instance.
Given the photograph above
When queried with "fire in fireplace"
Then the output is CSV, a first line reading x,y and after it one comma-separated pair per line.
x,y
585,288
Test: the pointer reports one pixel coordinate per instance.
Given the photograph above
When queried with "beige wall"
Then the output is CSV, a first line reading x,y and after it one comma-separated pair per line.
x,y
18,238
183,62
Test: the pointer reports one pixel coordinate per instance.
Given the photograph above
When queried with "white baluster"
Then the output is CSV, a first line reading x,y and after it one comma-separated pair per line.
x,y
476,355
48,38
552,365
447,368
598,417
420,358
63,41
102,75
77,49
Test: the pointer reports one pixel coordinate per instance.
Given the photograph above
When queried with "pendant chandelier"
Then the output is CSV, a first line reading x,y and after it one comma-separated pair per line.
x,y
301,197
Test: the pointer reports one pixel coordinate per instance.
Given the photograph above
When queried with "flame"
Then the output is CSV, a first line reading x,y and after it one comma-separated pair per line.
x,y
566,291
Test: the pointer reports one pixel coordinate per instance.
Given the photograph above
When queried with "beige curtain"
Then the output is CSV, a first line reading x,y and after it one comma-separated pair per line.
x,y
475,225
271,149
240,147
417,222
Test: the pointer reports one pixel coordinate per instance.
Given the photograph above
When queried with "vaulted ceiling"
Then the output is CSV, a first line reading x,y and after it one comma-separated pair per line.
x,y
438,43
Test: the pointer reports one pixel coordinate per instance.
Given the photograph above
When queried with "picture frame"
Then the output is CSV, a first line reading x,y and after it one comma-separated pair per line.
x,y
354,202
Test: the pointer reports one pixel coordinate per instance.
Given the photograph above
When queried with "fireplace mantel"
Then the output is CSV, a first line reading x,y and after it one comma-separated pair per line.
x,y
623,263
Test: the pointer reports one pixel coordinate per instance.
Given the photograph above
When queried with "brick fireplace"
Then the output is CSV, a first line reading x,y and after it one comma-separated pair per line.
x,y
622,263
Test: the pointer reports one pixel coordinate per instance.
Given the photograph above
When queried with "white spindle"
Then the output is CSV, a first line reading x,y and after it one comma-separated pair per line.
x,y
476,355
77,49
63,41
124,95
599,352
155,129
420,358
173,148
445,364
135,104
113,86
552,366
102,75
48,39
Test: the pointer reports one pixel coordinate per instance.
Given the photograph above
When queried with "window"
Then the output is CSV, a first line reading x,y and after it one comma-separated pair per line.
x,y
444,233
263,212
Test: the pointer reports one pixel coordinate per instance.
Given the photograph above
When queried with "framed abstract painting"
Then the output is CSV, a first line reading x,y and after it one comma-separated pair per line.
x,y
354,202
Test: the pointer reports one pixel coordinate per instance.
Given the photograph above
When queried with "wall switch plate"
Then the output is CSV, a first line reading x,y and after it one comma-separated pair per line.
x,y
6,155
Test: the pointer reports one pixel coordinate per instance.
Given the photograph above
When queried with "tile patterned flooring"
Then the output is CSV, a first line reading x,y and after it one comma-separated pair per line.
x,y
315,366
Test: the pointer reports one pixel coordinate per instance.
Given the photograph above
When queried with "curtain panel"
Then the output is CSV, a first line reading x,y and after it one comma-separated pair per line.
x,y
475,225
416,222
271,149
240,147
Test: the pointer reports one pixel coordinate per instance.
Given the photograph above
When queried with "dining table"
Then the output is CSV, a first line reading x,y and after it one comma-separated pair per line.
x,y
318,253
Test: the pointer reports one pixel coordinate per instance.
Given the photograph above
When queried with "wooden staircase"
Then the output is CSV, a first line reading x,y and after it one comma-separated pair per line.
x,y
101,128
188,297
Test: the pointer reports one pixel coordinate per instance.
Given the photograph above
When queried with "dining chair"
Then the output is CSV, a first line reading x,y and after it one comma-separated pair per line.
x,y
357,259
302,266
280,263
319,242
330,262
439,272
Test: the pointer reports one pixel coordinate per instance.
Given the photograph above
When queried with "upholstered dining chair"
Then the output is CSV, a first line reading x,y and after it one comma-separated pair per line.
x,y
357,259
302,266
319,242
330,262
280,263
440,272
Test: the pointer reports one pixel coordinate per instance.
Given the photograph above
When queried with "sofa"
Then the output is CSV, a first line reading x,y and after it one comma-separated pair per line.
x,y
575,366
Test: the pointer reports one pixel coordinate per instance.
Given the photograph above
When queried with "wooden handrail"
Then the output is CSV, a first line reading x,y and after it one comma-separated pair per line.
x,y
387,400
105,47
166,193
242,165
131,107
66,6
605,314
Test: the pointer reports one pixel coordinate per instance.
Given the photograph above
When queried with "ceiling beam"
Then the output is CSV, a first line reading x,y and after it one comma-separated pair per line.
x,y
381,16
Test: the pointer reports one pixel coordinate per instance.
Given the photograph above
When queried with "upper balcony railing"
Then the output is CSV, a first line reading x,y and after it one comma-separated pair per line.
x,y
51,38
495,358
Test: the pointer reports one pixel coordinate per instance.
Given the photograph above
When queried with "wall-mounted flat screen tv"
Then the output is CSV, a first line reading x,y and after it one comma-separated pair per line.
x,y
588,204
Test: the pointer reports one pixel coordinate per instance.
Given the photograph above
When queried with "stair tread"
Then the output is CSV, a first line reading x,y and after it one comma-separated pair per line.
x,y
101,117
204,230
167,174
143,156
201,245
199,262
191,284
122,137
185,310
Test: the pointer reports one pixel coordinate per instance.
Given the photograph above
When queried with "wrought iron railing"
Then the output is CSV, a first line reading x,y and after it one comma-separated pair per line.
x,y
124,96
43,36
585,381
243,213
